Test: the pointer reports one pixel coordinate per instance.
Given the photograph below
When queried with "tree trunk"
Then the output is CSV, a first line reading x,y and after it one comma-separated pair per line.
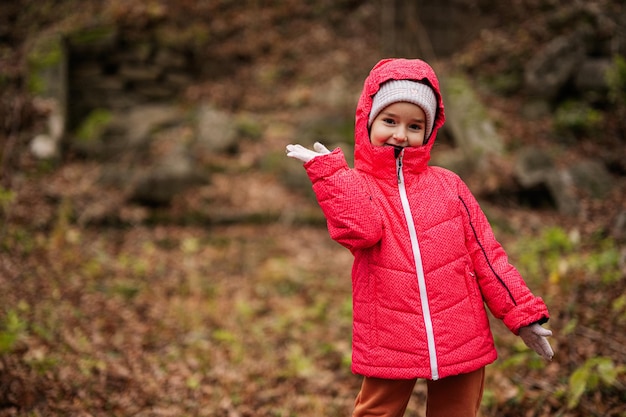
x,y
403,34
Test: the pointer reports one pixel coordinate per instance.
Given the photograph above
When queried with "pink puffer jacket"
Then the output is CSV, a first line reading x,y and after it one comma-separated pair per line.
x,y
425,258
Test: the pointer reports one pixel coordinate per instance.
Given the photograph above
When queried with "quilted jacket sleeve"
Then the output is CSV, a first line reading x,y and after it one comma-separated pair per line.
x,y
352,218
503,289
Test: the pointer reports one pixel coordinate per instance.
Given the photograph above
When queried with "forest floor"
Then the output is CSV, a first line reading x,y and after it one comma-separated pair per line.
x,y
198,317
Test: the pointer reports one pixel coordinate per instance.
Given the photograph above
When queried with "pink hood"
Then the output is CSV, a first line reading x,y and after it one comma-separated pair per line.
x,y
385,70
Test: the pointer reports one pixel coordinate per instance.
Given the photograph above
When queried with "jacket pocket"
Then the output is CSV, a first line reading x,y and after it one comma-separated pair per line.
x,y
472,285
480,320
475,297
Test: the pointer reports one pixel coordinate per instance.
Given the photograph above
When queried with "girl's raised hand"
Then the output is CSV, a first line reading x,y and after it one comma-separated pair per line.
x,y
304,154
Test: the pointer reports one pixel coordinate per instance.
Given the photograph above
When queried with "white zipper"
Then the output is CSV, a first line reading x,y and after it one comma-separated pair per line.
x,y
421,281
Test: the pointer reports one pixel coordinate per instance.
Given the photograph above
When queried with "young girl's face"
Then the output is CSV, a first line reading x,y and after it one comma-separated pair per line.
x,y
400,124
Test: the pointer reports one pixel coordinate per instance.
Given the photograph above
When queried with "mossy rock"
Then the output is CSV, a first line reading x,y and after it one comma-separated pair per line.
x,y
95,37
468,119
46,66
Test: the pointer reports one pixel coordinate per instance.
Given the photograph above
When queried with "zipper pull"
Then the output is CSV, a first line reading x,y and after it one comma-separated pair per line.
x,y
399,165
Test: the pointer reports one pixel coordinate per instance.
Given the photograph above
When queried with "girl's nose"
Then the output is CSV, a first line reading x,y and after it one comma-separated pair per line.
x,y
400,135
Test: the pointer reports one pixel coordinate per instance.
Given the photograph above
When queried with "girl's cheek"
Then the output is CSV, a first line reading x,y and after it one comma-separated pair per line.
x,y
376,141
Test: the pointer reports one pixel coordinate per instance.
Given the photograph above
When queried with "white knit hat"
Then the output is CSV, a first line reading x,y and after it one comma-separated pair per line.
x,y
395,91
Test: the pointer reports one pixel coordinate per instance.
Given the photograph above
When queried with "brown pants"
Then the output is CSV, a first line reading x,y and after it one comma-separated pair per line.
x,y
457,396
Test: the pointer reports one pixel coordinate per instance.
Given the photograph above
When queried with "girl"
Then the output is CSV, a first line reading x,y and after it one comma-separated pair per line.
x,y
425,258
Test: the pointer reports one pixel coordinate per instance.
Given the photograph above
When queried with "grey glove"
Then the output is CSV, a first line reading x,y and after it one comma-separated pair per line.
x,y
304,154
535,338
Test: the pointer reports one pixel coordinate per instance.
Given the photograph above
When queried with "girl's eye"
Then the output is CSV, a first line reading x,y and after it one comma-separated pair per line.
x,y
389,121
415,127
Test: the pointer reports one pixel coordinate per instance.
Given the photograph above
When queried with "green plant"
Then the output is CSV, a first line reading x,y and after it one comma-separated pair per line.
x,y
94,125
249,128
298,362
545,255
576,117
12,327
556,239
42,362
594,373
93,36
46,53
604,262
233,343
616,81
6,197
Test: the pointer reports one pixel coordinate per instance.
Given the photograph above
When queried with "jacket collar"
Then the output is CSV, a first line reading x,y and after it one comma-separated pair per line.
x,y
380,161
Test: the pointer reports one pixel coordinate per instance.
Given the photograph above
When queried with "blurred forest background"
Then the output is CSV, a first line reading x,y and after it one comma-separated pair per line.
x,y
160,256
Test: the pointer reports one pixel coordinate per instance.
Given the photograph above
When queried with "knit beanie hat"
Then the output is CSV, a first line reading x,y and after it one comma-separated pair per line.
x,y
395,91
